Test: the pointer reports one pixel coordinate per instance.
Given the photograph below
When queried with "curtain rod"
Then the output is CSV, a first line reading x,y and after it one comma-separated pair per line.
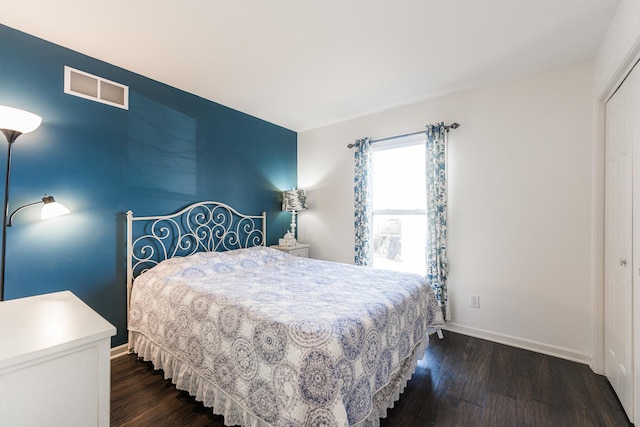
x,y
453,125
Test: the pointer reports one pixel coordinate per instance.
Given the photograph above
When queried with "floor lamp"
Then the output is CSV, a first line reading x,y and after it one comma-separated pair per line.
x,y
13,123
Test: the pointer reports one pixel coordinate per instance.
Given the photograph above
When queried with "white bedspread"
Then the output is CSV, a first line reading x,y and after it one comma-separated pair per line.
x,y
265,338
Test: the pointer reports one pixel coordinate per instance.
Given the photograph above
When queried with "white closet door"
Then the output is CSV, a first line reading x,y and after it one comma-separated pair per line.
x,y
621,112
634,81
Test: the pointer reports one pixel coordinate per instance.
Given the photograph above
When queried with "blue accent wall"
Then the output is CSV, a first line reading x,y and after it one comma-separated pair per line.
x,y
170,149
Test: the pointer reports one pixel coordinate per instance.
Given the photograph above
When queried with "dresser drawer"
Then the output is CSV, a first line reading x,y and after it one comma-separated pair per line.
x,y
301,249
301,252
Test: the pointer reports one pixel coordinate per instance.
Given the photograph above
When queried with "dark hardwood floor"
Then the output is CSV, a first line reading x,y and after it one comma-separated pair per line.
x,y
461,381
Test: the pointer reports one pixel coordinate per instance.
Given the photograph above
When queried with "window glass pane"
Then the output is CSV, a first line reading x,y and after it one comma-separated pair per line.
x,y
399,242
398,178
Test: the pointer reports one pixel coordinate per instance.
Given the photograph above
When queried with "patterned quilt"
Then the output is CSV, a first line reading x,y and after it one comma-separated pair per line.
x,y
268,339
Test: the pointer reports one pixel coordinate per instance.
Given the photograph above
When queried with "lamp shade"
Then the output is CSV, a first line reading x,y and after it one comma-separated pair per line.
x,y
294,200
13,119
52,209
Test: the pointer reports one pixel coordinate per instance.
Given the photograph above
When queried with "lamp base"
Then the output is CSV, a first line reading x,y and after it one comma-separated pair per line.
x,y
287,241
290,236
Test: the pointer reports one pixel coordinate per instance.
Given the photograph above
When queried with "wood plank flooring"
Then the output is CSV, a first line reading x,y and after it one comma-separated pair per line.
x,y
460,381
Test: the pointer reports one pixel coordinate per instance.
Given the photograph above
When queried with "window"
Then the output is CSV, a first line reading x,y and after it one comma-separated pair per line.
x,y
399,204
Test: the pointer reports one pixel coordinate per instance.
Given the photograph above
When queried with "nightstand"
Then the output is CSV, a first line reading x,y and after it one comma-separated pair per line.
x,y
301,249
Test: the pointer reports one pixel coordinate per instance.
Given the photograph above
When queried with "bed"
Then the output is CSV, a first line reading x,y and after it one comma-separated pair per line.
x,y
265,338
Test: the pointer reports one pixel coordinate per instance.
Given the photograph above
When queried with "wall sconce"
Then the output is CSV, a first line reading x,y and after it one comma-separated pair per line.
x,y
293,201
13,123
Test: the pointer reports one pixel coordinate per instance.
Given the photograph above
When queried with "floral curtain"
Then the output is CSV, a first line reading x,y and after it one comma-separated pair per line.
x,y
362,196
436,250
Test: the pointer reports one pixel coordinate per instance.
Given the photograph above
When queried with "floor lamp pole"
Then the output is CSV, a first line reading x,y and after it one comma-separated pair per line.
x,y
13,123
5,215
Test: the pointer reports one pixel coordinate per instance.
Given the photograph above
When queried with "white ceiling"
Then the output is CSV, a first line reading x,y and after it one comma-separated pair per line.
x,y
303,64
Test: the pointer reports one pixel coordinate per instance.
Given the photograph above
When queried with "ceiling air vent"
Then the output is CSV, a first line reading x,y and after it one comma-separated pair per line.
x,y
96,88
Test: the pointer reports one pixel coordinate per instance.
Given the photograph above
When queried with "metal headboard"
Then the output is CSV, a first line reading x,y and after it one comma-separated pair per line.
x,y
200,227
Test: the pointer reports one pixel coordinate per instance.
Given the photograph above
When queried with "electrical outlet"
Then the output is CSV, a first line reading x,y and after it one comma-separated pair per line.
x,y
474,301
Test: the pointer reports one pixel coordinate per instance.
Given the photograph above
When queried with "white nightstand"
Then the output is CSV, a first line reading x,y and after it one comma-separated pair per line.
x,y
301,249
54,362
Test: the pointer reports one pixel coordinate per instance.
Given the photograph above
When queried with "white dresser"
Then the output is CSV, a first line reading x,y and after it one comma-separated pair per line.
x,y
54,362
301,249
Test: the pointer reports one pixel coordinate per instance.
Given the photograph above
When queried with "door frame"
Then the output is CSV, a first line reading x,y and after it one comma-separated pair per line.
x,y
620,71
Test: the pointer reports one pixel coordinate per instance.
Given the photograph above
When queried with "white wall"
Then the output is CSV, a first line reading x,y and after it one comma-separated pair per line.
x,y
520,170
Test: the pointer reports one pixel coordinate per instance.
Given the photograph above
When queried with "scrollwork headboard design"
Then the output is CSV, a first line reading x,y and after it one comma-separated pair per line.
x,y
200,227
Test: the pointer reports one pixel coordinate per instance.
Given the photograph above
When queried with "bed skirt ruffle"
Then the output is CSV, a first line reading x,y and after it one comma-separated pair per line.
x,y
385,398
203,390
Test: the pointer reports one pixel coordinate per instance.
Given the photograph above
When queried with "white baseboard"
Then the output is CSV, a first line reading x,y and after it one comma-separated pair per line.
x,y
539,347
120,350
